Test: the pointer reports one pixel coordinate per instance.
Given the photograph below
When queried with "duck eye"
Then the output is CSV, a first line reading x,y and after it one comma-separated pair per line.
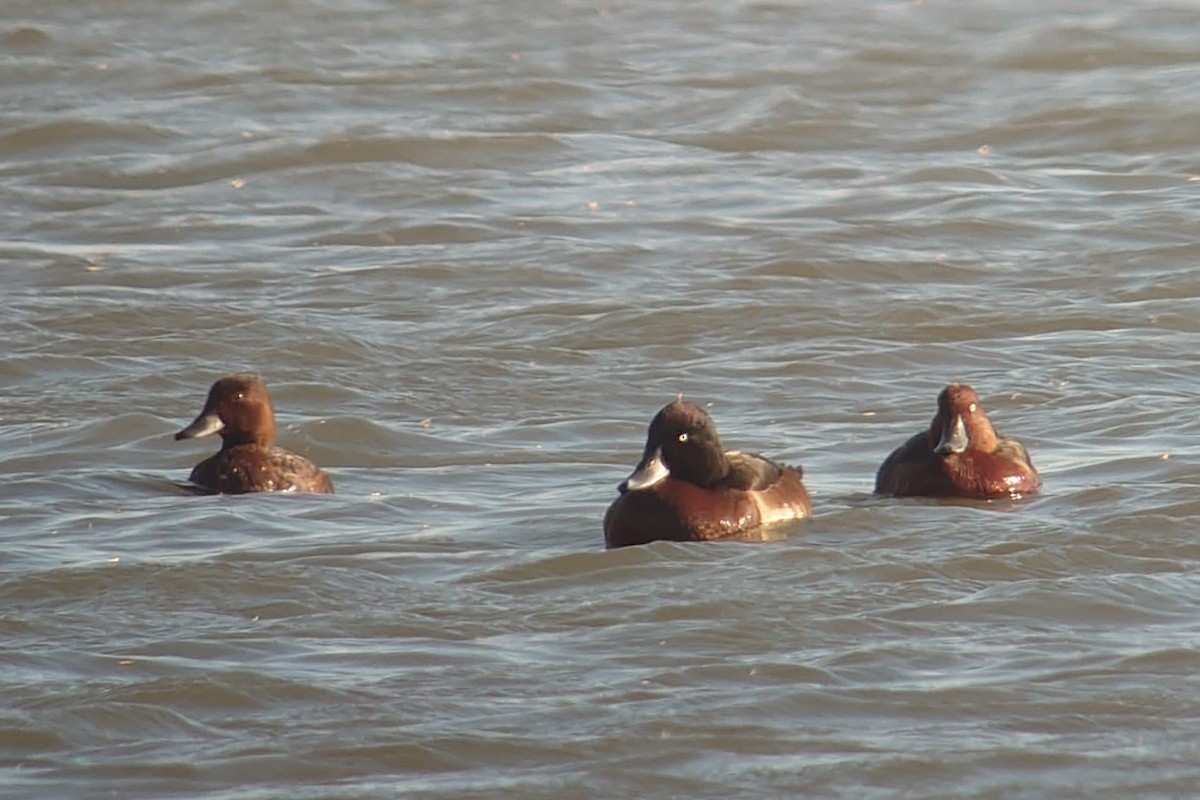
x,y
683,437
241,395
971,408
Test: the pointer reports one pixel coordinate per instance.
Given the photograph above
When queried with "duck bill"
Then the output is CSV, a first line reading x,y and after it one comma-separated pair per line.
x,y
650,472
954,438
205,424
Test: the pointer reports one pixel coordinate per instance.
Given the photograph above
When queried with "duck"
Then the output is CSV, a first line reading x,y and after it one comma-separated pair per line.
x,y
960,455
688,488
239,409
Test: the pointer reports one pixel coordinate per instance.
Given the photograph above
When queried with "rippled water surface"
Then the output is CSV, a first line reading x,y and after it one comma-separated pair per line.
x,y
473,247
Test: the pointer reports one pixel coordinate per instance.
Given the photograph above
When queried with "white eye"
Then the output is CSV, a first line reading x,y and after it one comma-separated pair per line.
x,y
241,396
972,408
683,437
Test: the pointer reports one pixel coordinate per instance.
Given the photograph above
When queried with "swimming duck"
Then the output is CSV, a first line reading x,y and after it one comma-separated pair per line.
x,y
687,487
239,408
961,455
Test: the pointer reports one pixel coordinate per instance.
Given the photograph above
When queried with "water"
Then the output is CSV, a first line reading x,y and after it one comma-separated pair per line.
x,y
473,247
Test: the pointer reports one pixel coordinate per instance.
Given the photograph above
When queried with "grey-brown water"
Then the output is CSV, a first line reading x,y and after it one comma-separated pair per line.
x,y
473,247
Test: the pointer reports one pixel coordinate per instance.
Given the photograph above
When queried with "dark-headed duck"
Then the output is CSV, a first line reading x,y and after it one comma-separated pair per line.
x,y
239,408
961,455
688,488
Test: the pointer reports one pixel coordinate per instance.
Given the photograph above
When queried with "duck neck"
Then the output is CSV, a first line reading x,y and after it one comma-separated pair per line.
x,y
708,468
258,438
